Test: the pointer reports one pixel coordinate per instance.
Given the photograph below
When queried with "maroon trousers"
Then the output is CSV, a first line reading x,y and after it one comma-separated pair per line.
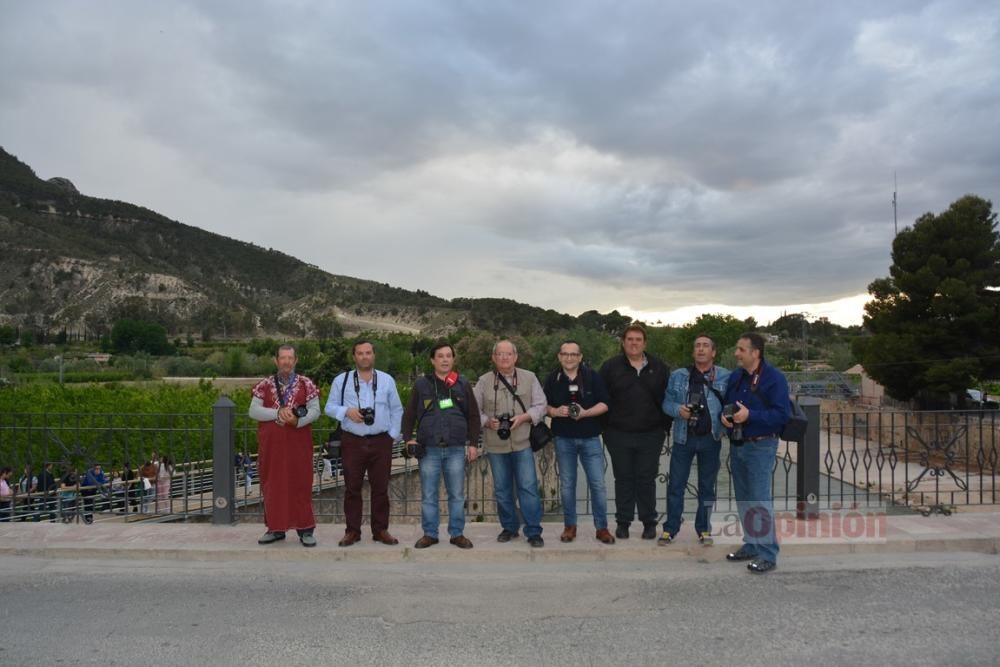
x,y
366,455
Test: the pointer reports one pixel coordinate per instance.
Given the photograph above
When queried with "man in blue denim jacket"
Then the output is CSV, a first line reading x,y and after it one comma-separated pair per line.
x,y
758,394
694,400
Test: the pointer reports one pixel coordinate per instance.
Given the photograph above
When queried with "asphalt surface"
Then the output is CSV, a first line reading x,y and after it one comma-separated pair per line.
x,y
872,609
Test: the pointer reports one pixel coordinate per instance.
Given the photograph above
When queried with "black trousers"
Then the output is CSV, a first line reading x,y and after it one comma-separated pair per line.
x,y
635,459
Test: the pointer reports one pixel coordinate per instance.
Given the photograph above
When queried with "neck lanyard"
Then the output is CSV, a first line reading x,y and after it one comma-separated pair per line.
x,y
357,386
437,394
285,394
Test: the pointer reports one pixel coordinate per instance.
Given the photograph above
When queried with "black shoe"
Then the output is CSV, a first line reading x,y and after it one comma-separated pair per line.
x,y
742,554
506,536
649,531
621,532
270,537
536,541
761,566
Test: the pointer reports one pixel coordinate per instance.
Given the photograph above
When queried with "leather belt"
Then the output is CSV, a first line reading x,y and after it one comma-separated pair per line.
x,y
758,438
383,434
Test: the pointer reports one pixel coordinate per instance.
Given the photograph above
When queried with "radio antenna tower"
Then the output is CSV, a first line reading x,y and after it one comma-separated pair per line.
x,y
895,224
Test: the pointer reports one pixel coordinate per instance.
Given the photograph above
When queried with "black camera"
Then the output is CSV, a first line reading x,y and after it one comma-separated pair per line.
x,y
575,410
300,411
503,430
368,414
694,407
737,435
415,450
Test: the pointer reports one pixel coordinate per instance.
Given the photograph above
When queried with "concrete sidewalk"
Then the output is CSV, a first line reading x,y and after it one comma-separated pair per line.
x,y
979,532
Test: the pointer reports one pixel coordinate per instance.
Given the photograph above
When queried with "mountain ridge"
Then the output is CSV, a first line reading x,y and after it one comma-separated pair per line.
x,y
78,263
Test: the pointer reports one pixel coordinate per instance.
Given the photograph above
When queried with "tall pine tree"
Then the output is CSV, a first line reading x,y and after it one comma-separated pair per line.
x,y
935,321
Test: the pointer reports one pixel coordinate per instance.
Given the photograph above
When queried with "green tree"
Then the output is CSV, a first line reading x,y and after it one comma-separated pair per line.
x,y
934,320
8,335
131,336
725,330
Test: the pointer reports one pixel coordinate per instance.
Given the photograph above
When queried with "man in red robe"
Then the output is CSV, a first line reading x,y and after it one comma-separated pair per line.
x,y
284,406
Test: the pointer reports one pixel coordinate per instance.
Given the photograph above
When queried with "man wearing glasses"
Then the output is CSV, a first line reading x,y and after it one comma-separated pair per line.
x,y
576,398
510,400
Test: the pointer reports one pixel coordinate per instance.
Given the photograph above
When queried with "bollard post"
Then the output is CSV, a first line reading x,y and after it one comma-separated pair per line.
x,y
807,470
223,453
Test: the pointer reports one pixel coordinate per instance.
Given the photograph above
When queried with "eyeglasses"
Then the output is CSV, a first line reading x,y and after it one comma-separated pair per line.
x,y
570,354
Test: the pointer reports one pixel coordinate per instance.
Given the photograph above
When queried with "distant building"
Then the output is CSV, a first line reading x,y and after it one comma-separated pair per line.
x,y
872,393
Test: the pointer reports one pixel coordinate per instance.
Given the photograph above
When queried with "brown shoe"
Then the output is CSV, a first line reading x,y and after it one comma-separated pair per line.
x,y
349,538
461,541
425,542
604,535
385,538
568,534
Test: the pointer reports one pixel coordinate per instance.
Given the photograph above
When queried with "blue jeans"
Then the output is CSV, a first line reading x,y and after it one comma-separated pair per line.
x,y
752,465
517,468
451,461
590,453
706,449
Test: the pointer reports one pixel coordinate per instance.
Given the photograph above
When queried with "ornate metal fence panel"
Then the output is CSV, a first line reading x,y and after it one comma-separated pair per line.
x,y
930,461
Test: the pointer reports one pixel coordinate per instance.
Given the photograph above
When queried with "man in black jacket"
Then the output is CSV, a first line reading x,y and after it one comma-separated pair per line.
x,y
636,429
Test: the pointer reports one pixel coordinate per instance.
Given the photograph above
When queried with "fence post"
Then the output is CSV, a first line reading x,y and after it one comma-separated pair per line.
x,y
807,470
223,454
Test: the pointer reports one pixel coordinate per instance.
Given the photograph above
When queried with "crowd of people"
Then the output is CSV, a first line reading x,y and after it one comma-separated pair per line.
x,y
63,494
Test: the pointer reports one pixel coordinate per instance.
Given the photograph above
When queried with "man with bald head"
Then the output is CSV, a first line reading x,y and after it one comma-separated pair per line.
x,y
510,400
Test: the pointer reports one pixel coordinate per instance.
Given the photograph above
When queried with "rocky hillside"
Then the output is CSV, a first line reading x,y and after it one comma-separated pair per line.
x,y
78,263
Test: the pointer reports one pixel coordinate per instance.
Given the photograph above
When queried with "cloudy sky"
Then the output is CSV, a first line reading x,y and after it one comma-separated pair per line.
x,y
664,159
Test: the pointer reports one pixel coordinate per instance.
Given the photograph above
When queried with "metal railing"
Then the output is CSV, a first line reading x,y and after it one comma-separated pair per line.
x,y
927,461
931,461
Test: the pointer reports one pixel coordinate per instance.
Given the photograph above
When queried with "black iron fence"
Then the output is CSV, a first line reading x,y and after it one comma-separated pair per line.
x,y
926,461
931,461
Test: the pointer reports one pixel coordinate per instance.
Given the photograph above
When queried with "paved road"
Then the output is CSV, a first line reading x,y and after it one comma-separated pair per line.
x,y
888,609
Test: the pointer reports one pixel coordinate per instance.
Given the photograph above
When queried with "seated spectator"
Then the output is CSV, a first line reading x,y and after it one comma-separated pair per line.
x,y
69,488
27,486
148,474
94,485
47,489
6,496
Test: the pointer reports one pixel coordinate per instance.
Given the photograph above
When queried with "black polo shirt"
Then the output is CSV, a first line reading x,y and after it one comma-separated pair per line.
x,y
590,391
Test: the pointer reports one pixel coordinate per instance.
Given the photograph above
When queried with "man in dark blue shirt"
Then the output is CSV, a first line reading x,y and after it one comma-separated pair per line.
x,y
576,398
757,409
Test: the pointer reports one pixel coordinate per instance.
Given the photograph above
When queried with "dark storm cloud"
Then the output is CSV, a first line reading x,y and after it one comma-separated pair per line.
x,y
716,152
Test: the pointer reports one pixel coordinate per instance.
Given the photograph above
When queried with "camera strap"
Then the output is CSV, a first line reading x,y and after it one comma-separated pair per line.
x,y
707,382
511,389
357,387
